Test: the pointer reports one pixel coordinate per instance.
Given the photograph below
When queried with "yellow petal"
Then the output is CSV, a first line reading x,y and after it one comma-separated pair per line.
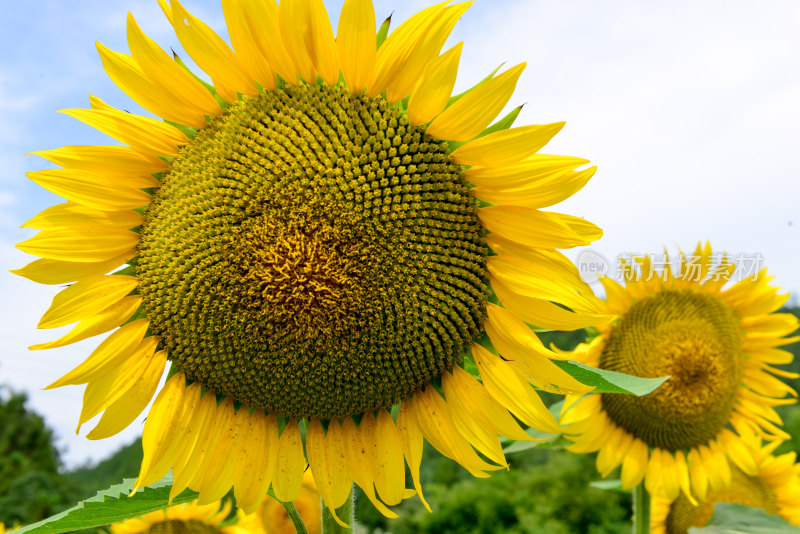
x,y
411,439
543,313
72,215
149,136
507,147
80,244
473,112
245,45
522,277
540,194
212,55
294,27
53,272
263,19
117,160
383,444
399,47
326,462
161,69
291,463
111,352
86,298
121,413
469,395
535,169
511,390
435,87
634,466
90,189
160,426
741,455
108,319
515,341
697,474
433,418
256,459
531,227
478,433
428,49
126,73
194,445
355,40
320,44
102,391
360,462
216,474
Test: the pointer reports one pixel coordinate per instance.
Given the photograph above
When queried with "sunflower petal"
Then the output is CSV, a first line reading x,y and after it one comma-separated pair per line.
x,y
291,462
86,298
507,147
355,40
360,462
245,45
108,319
122,413
256,459
73,215
149,136
434,88
383,444
472,113
531,227
90,189
411,439
116,160
52,272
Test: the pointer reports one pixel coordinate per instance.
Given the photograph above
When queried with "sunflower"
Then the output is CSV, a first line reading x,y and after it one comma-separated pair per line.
x,y
189,518
775,488
718,345
320,243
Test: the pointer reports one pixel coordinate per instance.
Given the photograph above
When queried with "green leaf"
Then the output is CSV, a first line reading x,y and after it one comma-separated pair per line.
x,y
383,31
111,506
606,381
731,518
504,123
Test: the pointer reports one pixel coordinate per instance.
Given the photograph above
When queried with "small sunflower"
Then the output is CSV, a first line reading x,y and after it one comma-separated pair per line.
x,y
319,242
717,345
189,518
271,517
775,488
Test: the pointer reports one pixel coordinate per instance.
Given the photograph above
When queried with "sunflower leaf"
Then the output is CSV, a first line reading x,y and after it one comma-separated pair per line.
x,y
605,381
731,518
111,506
383,31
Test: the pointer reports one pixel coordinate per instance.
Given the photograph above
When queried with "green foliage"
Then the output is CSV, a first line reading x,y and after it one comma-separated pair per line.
x,y
111,506
605,381
30,484
122,464
544,491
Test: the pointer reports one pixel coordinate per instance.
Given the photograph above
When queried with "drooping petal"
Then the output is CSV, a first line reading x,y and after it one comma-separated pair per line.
x,y
383,444
291,463
256,459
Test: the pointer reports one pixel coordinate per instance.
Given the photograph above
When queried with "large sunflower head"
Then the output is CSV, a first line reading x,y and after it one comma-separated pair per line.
x,y
773,487
319,241
718,343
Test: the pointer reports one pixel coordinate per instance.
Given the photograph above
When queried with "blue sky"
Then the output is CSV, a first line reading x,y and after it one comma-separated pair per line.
x,y
689,109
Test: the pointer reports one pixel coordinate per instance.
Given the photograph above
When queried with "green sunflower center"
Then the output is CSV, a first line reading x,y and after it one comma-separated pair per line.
x,y
175,526
744,490
694,339
312,253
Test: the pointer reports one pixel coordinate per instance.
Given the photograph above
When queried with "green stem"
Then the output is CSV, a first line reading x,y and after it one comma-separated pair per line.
x,y
299,526
641,510
346,512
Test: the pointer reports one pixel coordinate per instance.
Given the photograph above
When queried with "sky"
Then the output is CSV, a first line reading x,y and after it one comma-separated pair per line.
x,y
690,110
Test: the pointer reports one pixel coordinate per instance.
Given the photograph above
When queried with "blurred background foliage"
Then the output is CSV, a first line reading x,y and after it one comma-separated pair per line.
x,y
545,490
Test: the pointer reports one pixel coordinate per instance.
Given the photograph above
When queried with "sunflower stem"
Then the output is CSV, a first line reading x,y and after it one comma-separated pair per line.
x,y
294,515
346,512
641,510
